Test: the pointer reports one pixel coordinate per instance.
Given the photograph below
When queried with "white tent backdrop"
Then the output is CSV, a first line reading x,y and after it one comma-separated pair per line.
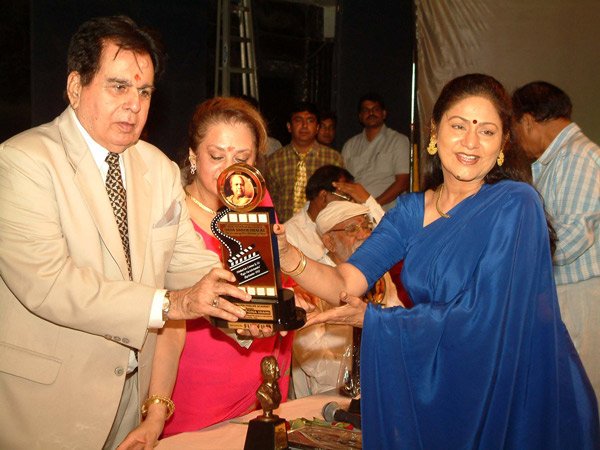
x,y
516,41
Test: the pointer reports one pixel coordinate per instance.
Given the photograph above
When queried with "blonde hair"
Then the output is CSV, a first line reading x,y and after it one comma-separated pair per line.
x,y
230,110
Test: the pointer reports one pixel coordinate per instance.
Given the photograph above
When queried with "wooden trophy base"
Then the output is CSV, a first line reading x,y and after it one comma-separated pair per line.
x,y
266,433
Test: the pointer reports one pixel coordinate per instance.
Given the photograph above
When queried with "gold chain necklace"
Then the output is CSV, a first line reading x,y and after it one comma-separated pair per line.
x,y
200,204
438,193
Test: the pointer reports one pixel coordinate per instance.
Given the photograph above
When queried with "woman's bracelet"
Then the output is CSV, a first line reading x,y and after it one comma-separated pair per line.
x,y
300,267
155,399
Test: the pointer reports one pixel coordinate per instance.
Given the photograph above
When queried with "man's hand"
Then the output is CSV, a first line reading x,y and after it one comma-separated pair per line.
x,y
355,190
352,312
205,298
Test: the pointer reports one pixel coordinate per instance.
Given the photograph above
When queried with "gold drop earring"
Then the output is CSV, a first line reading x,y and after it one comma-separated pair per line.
x,y
432,147
500,159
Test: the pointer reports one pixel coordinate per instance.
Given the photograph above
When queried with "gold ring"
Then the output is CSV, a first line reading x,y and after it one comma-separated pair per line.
x,y
215,302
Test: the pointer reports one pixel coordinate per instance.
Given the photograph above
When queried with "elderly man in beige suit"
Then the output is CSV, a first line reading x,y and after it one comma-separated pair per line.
x,y
83,305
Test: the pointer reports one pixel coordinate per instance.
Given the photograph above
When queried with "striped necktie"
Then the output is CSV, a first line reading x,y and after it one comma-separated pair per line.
x,y
118,200
300,183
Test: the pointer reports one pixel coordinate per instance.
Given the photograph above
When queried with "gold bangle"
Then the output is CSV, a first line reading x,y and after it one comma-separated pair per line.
x,y
156,399
300,267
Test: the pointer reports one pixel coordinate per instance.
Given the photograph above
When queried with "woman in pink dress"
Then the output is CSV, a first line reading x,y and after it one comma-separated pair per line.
x,y
219,373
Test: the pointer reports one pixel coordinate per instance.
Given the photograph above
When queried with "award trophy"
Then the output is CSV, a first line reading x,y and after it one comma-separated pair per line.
x,y
268,431
250,252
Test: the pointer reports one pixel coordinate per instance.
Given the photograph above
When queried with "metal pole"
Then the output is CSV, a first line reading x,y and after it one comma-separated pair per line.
x,y
225,72
413,94
244,44
251,51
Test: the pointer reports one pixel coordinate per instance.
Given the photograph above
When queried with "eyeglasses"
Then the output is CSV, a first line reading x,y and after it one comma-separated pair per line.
x,y
355,227
342,196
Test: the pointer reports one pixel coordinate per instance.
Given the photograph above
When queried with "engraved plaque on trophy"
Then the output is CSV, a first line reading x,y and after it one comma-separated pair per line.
x,y
250,252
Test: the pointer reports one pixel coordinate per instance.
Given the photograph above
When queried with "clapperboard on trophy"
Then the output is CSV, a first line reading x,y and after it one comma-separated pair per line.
x,y
247,247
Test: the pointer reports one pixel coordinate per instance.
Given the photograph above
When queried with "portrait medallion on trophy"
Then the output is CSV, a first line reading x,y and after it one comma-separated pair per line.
x,y
250,251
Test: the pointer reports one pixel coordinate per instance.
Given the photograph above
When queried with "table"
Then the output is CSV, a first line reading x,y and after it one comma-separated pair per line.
x,y
231,435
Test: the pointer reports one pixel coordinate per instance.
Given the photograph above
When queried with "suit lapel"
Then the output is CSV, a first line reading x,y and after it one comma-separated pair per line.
x,y
139,201
89,181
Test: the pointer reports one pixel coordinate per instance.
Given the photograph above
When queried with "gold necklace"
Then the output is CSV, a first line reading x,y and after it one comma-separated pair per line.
x,y
438,193
200,204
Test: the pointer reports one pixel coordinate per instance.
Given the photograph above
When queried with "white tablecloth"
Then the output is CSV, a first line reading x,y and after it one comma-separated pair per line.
x,y
231,435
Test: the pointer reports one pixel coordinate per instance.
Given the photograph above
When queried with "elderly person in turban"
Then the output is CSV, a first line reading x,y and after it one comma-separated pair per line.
x,y
319,349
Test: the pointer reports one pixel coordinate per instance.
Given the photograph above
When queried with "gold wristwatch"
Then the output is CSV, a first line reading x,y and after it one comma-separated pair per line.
x,y
166,306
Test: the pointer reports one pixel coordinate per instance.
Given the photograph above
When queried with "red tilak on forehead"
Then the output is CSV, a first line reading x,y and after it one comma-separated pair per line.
x,y
474,121
137,77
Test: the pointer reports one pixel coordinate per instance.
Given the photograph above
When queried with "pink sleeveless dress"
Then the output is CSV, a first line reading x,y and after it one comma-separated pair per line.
x,y
217,378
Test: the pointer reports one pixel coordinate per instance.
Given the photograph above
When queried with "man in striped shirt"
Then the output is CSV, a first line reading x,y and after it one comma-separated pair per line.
x,y
566,172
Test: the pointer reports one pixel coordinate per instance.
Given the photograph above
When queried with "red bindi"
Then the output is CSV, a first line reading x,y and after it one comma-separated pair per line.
x,y
137,77
474,121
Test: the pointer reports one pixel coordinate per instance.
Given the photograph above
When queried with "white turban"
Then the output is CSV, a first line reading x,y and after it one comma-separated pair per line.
x,y
336,212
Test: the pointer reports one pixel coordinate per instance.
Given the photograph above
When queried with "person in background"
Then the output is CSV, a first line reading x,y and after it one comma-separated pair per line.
x,y
97,254
301,229
483,359
319,349
289,168
379,157
330,183
219,372
566,171
327,125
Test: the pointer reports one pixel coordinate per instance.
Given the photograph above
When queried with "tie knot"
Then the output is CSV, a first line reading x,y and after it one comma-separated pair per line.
x,y
112,159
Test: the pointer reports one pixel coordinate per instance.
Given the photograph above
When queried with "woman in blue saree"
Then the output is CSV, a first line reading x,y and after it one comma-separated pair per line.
x,y
483,360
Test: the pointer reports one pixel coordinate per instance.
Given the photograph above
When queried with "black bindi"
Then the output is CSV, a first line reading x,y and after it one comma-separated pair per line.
x,y
474,121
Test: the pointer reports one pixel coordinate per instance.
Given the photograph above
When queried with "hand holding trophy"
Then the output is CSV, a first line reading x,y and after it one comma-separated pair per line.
x,y
250,252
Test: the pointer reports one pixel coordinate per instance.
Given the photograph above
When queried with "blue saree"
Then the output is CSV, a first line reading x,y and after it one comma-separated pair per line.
x,y
483,360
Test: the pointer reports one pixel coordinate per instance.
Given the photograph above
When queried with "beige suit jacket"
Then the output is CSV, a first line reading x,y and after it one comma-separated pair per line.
x,y
68,313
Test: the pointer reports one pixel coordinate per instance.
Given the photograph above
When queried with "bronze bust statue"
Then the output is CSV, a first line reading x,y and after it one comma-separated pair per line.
x,y
268,393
